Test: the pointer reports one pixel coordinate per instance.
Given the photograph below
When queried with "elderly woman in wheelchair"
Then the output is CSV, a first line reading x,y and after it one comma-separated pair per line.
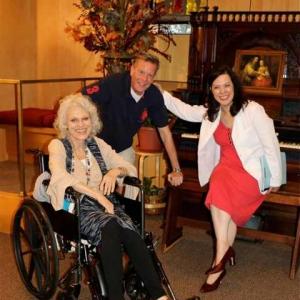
x,y
80,160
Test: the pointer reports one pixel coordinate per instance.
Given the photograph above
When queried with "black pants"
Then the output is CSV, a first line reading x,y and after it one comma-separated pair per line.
x,y
113,236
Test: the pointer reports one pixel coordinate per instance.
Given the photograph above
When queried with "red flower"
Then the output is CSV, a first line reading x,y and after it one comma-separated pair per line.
x,y
93,89
144,115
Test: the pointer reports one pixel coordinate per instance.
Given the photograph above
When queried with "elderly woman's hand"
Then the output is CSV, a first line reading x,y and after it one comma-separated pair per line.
x,y
108,182
109,206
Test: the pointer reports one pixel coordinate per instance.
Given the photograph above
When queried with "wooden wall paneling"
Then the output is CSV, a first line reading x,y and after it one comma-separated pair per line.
x,y
9,204
202,55
255,5
18,52
34,138
59,56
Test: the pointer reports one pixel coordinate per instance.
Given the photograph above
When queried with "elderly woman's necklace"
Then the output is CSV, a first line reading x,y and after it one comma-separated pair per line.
x,y
87,163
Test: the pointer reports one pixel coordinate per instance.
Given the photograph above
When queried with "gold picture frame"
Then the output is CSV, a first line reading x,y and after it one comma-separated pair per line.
x,y
260,71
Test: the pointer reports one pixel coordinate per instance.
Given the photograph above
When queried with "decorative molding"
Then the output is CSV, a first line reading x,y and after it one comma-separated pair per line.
x,y
246,17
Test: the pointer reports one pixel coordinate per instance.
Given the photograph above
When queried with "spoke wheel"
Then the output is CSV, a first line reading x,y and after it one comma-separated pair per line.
x,y
35,250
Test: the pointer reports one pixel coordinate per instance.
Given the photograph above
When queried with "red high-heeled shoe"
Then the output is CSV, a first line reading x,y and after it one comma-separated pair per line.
x,y
228,256
206,287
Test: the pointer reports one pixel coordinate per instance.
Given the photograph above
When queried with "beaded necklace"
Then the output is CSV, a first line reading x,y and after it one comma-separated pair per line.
x,y
87,164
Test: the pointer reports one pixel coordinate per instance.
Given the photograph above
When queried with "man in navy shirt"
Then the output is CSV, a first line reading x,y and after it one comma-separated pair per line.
x,y
123,99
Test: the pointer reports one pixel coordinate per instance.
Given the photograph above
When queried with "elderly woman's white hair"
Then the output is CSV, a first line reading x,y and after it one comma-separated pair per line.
x,y
79,100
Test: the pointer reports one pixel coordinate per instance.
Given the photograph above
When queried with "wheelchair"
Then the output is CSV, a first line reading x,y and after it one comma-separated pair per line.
x,y
40,239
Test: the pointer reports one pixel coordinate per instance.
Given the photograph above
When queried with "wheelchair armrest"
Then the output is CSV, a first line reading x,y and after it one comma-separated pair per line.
x,y
134,181
70,192
34,151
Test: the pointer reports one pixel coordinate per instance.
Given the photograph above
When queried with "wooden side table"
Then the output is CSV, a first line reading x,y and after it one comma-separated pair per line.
x,y
153,204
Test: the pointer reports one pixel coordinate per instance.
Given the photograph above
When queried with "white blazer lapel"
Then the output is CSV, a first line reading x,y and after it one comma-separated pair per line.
x,y
207,130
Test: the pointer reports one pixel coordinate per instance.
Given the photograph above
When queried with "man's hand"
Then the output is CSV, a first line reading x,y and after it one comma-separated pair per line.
x,y
175,178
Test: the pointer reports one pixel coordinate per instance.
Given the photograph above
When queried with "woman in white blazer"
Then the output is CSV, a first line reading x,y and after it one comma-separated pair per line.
x,y
235,134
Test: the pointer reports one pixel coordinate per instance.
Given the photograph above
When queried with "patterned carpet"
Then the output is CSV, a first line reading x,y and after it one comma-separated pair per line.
x,y
261,271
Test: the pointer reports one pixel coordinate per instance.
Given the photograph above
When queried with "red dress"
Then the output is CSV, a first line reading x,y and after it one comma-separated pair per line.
x,y
231,188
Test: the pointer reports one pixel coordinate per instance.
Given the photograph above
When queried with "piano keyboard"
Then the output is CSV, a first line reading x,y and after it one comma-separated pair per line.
x,y
290,146
283,145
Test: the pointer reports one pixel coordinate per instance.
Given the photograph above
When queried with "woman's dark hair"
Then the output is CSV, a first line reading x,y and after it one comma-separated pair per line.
x,y
239,99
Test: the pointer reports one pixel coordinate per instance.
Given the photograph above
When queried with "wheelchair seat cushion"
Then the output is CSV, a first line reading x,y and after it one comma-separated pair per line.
x,y
39,191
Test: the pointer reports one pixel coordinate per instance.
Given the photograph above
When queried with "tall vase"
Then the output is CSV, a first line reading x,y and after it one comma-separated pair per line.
x,y
112,65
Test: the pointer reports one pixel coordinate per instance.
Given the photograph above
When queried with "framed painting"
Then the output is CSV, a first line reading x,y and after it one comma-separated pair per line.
x,y
260,71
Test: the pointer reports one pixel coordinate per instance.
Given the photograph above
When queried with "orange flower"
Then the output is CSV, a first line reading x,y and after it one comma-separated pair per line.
x,y
112,36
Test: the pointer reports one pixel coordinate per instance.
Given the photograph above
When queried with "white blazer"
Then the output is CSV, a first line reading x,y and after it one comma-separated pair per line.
x,y
253,136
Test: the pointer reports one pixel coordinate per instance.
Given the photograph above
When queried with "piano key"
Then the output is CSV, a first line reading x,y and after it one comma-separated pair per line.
x,y
292,146
187,135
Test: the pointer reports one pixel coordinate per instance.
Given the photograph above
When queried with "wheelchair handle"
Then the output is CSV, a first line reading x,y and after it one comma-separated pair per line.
x,y
134,181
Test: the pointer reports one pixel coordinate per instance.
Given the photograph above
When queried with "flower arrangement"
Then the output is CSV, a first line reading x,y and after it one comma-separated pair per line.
x,y
120,28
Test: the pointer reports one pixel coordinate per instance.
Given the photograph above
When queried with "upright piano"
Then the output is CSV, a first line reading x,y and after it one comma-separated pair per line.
x,y
288,130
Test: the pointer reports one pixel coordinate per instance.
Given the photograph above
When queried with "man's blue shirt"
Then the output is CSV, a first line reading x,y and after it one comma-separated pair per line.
x,y
121,115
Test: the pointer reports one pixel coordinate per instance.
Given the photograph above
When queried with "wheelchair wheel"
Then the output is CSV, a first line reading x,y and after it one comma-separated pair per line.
x,y
95,279
35,250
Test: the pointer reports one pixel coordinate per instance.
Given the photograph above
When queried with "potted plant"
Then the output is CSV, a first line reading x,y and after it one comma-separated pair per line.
x,y
154,197
148,136
149,139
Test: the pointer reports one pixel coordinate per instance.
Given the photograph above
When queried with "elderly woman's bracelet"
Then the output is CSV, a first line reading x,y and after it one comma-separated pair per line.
x,y
177,170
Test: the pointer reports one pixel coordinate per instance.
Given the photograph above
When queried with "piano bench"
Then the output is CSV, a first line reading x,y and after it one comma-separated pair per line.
x,y
288,195
190,192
